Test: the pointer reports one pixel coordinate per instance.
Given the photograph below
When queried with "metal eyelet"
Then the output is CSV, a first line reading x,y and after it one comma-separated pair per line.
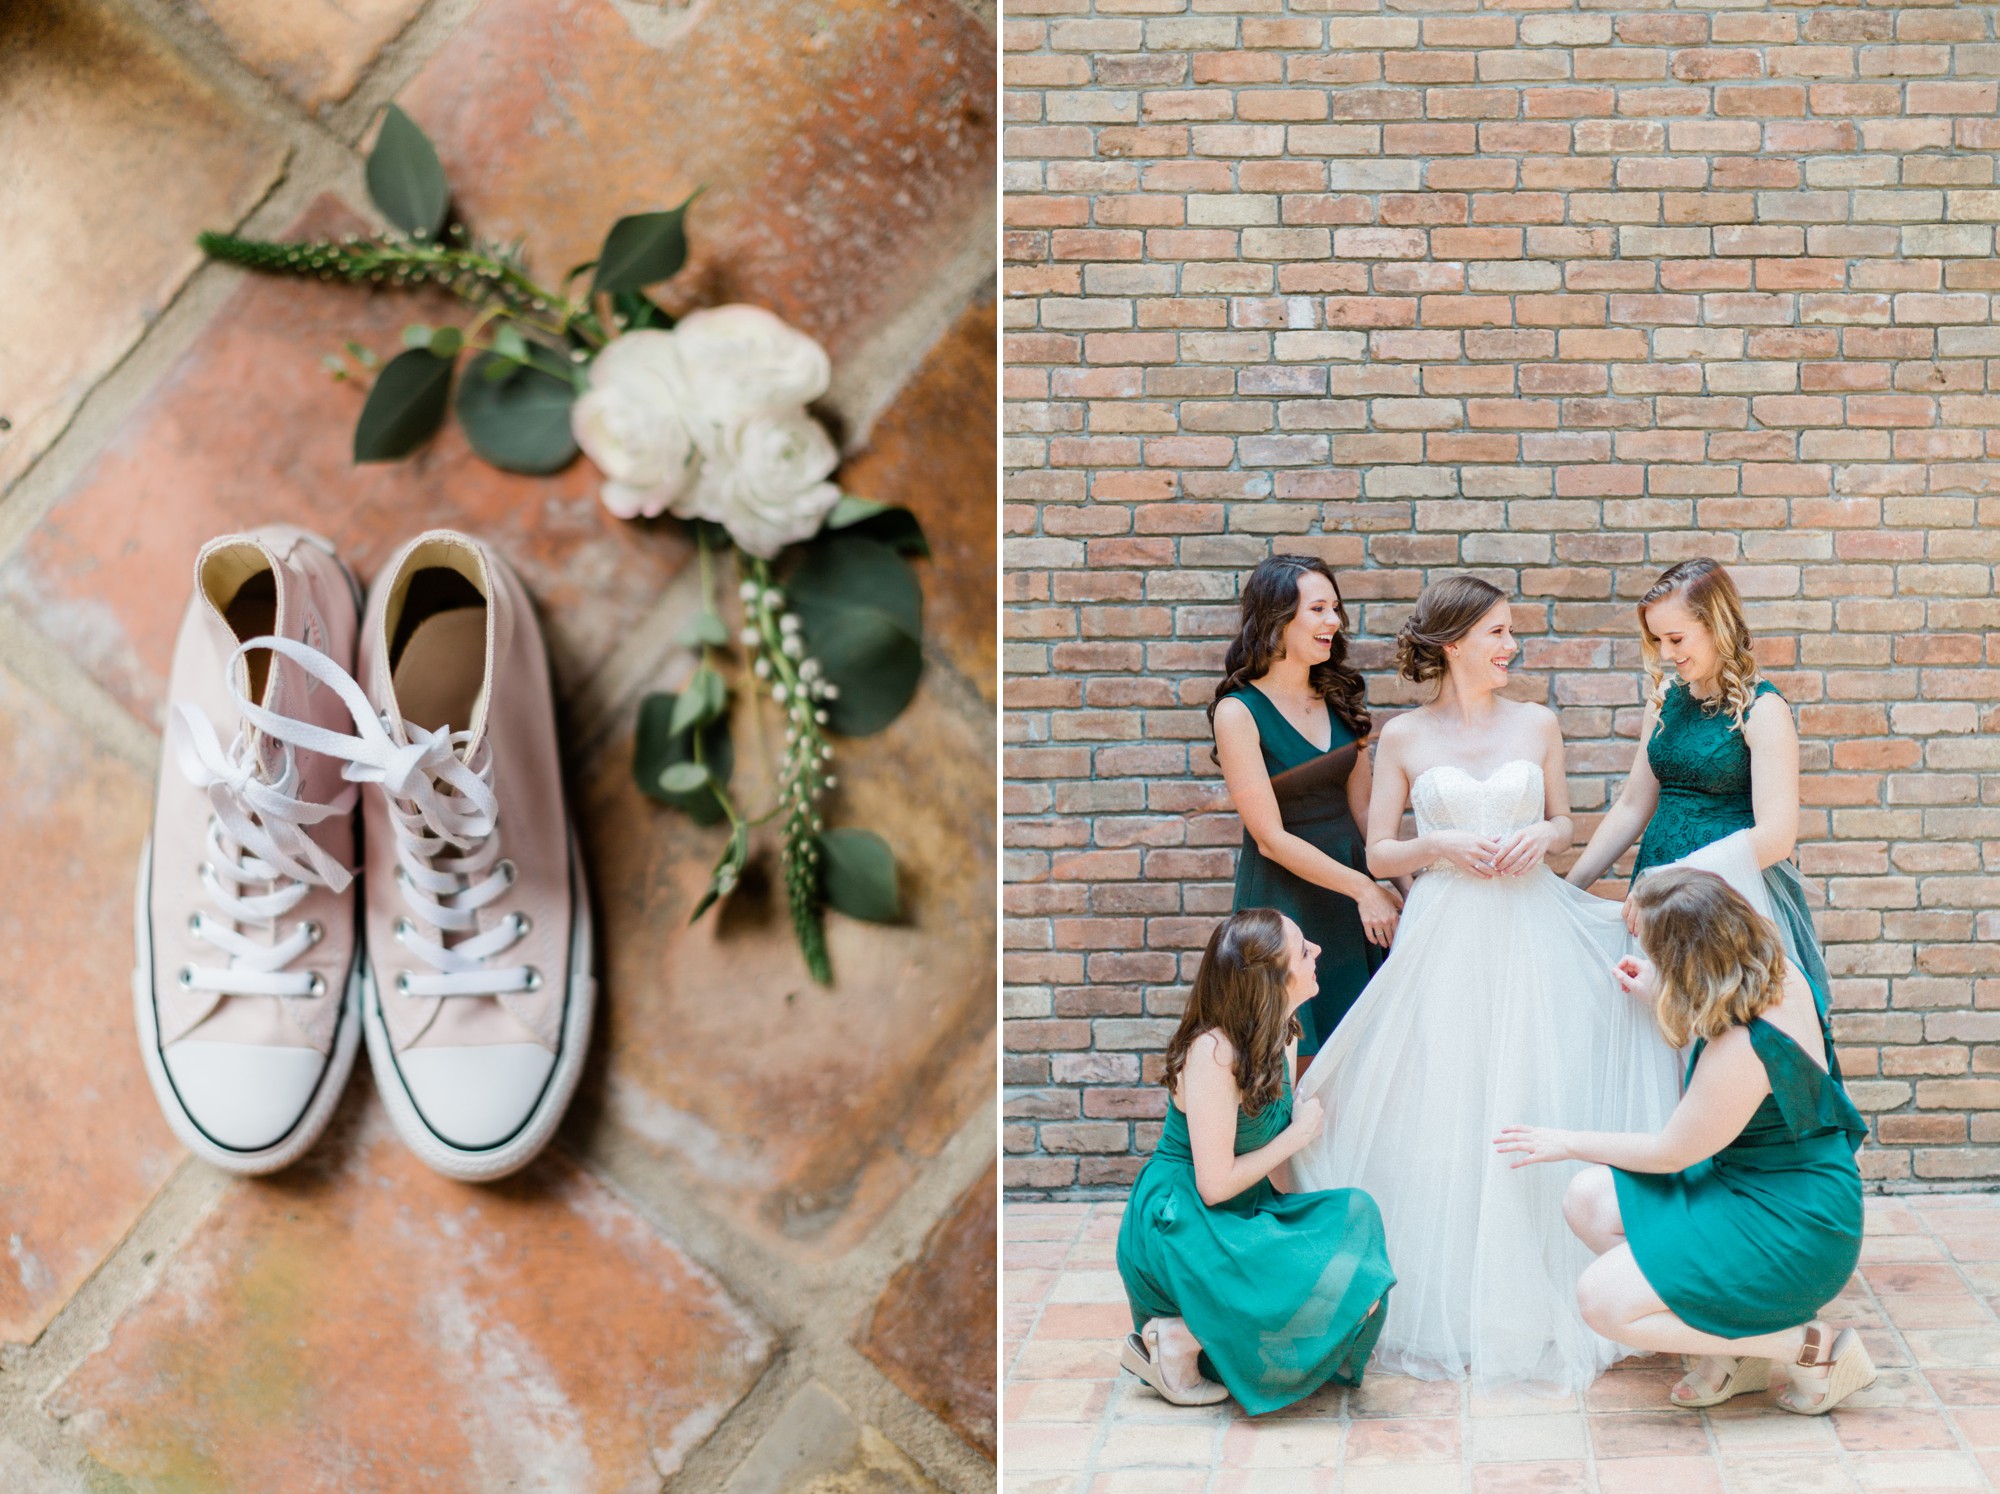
x,y
403,928
402,982
187,977
509,873
194,923
522,923
315,984
534,979
314,933
402,877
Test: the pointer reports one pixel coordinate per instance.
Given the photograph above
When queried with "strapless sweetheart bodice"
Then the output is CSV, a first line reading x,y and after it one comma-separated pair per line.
x,y
1449,798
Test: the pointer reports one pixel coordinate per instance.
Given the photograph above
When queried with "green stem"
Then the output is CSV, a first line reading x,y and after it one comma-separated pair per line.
x,y
722,795
474,275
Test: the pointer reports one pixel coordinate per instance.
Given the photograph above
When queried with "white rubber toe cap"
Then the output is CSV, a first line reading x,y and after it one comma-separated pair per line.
x,y
476,1097
244,1096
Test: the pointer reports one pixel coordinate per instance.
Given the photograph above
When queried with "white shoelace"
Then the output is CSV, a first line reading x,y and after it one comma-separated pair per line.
x,y
437,801
256,840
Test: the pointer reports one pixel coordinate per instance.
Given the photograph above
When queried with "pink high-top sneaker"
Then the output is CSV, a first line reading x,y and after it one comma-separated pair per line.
x,y
247,983
478,990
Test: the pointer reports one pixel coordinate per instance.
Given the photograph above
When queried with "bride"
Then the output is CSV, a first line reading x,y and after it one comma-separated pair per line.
x,y
1496,1006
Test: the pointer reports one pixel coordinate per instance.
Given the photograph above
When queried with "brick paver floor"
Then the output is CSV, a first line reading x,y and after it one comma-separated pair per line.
x,y
1924,1300
760,1256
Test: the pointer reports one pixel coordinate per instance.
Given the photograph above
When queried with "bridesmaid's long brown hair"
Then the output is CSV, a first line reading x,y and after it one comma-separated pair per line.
x,y
1239,991
1270,601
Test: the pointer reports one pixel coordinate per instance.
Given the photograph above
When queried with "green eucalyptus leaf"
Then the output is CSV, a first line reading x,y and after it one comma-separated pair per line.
x,y
893,525
417,335
364,356
657,749
405,406
858,874
684,778
447,341
639,311
518,419
702,702
862,612
334,364
641,250
509,343
405,178
707,628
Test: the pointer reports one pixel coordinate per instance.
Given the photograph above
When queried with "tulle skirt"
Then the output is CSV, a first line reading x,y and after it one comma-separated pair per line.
x,y
1496,1006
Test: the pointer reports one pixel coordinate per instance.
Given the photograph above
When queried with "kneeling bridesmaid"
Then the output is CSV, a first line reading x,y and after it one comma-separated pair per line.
x,y
1726,1234
1274,1293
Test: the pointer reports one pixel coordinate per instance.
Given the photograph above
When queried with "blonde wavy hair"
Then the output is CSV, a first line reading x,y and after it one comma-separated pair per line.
x,y
1712,597
1720,961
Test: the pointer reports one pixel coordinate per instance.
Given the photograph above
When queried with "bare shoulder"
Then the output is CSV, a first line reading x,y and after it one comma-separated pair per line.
x,y
1536,717
1212,1047
1400,730
1730,1055
1768,712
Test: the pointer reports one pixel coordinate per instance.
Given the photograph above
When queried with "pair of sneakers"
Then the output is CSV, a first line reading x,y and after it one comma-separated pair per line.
x,y
454,933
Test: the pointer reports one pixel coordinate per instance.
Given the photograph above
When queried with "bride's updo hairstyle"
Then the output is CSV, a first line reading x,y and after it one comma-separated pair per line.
x,y
1446,611
1239,991
1712,597
1720,961
1269,602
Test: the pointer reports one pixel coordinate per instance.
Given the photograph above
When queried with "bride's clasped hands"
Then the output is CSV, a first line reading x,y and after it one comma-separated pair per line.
x,y
1514,854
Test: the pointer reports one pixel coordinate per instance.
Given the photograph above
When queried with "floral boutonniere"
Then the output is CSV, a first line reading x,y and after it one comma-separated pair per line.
x,y
706,419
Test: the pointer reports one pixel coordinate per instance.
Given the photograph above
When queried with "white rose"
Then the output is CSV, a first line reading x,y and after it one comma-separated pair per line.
x,y
763,480
743,359
633,423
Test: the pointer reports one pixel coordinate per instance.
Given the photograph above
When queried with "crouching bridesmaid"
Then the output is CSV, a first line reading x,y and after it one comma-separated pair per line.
x,y
1274,1293
1726,1234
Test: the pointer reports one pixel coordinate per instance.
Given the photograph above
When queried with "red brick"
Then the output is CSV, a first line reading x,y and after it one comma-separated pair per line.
x,y
349,1297
101,114
933,1332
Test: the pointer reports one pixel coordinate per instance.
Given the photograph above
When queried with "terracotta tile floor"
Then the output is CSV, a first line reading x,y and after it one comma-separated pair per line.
x,y
730,1270
1924,1298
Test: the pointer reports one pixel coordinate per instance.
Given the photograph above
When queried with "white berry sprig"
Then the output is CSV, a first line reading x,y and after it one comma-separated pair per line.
x,y
775,645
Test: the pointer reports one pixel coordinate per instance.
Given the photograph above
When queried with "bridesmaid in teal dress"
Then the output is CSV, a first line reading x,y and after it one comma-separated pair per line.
x,y
1720,758
1273,1292
1291,732
1726,1234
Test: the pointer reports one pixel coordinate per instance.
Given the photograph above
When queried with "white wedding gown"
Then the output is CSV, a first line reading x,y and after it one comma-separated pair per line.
x,y
1496,1006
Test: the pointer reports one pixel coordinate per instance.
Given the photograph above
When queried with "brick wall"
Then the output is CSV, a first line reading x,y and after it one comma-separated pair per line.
x,y
1556,297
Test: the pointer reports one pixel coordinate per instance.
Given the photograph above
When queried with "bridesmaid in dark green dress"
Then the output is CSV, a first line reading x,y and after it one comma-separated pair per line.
x,y
1721,755
1291,731
1273,1292
1727,1233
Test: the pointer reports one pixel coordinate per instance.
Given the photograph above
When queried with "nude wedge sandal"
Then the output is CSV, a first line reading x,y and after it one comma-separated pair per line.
x,y
1746,1376
1136,1355
1847,1365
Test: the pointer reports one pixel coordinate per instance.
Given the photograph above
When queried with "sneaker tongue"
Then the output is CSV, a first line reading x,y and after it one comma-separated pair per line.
x,y
248,592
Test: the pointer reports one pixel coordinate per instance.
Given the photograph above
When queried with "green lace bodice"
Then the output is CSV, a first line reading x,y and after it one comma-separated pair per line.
x,y
1703,765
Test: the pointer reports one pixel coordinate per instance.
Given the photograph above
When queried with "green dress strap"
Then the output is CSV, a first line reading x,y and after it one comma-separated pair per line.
x,y
1812,1100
